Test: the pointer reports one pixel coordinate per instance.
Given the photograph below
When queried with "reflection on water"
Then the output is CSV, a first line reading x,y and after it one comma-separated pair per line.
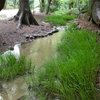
x,y
14,89
39,50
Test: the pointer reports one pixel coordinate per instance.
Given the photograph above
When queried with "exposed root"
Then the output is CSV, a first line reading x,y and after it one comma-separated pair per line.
x,y
20,21
24,17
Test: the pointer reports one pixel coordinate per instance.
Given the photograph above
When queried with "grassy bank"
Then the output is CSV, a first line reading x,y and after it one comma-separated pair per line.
x,y
71,74
59,19
10,67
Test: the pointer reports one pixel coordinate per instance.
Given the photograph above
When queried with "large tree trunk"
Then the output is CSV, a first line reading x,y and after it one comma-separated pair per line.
x,y
91,3
95,11
2,2
24,15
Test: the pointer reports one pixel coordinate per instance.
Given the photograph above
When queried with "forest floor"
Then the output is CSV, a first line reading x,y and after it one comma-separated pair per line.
x,y
85,23
10,35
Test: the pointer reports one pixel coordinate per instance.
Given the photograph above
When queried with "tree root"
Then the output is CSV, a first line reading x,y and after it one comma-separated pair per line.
x,y
24,17
20,21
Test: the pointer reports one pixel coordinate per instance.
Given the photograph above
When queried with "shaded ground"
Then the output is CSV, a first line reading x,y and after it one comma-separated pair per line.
x,y
10,35
83,23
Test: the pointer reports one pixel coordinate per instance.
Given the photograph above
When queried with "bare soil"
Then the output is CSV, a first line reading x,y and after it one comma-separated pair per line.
x,y
10,35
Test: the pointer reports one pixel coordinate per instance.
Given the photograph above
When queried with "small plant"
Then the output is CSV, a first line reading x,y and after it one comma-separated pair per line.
x,y
71,74
10,67
59,19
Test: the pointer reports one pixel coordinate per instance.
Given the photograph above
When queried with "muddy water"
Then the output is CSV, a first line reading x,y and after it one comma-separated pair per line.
x,y
14,89
38,51
41,49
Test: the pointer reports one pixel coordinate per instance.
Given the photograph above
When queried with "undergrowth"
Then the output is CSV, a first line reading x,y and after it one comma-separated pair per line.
x,y
10,67
59,19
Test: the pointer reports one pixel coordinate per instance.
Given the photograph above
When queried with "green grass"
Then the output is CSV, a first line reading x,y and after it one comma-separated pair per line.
x,y
10,67
71,75
59,19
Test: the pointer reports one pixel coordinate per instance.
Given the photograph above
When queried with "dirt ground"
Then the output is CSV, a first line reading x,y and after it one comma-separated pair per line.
x,y
10,35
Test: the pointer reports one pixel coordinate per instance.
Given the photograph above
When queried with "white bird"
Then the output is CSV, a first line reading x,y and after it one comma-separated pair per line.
x,y
15,52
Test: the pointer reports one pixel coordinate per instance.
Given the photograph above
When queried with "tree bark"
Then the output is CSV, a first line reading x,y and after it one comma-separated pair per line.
x,y
91,3
95,11
24,15
2,3
49,3
42,5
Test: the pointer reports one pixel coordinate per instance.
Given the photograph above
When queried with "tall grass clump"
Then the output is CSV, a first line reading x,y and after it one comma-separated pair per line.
x,y
10,67
71,74
59,19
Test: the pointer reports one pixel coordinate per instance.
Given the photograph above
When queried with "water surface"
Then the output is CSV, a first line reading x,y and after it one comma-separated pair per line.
x,y
38,51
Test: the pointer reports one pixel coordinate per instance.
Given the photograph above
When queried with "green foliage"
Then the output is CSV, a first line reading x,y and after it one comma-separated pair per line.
x,y
10,67
66,5
71,74
31,3
11,4
59,19
53,8
56,5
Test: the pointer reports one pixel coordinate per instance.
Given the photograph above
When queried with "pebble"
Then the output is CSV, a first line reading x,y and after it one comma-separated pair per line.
x,y
27,36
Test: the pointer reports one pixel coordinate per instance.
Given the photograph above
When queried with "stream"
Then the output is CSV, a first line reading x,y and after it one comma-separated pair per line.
x,y
38,51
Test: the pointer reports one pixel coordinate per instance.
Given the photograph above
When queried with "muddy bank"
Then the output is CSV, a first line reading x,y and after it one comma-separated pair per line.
x,y
10,35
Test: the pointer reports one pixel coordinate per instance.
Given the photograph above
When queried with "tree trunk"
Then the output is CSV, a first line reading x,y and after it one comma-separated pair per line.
x,y
95,11
79,2
91,3
42,5
2,3
5,5
14,4
24,15
49,3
